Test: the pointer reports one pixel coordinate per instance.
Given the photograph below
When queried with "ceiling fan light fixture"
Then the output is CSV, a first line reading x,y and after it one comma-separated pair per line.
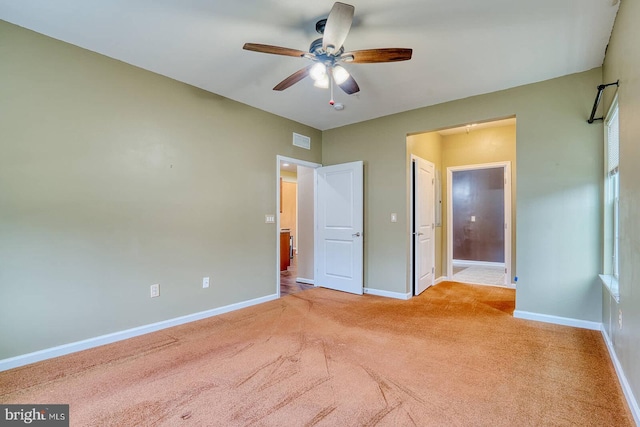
x,y
340,74
318,72
327,51
322,82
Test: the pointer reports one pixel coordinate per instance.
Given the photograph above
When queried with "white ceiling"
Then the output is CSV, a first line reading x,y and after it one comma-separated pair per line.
x,y
460,47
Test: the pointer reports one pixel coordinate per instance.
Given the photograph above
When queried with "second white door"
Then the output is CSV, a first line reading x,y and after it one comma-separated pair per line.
x,y
424,225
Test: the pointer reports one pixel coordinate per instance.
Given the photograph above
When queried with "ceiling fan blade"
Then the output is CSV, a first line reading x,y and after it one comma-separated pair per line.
x,y
350,86
293,78
337,27
276,50
369,56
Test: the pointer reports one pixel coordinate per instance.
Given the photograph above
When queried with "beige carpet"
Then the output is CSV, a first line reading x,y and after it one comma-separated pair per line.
x,y
454,356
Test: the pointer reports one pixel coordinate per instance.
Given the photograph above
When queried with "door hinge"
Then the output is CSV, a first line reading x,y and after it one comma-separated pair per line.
x,y
433,181
433,270
505,271
433,226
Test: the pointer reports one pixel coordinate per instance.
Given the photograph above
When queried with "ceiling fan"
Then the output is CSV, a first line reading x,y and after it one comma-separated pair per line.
x,y
327,52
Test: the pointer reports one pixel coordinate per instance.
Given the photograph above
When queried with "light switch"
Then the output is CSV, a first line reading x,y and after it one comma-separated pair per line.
x,y
394,217
473,218
269,219
155,290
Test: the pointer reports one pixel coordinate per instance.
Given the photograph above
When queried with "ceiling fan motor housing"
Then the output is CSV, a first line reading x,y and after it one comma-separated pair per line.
x,y
329,51
316,49
320,26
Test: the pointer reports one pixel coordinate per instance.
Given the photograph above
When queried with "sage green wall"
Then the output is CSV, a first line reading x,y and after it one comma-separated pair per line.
x,y
488,145
382,148
622,62
113,178
305,246
559,158
428,146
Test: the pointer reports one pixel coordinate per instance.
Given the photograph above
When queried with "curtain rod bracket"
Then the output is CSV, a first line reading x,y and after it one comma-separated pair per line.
x,y
597,101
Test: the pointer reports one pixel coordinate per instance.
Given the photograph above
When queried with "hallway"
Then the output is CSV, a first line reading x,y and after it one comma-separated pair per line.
x,y
288,284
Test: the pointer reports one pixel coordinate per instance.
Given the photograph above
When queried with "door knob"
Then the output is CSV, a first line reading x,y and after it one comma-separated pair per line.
x,y
356,235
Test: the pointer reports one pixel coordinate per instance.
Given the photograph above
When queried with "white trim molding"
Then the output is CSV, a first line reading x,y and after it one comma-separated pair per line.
x,y
470,263
440,280
388,294
307,281
565,321
61,350
611,283
468,282
624,383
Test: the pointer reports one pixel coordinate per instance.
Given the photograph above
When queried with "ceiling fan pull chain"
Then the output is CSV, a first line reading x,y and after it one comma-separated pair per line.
x,y
331,101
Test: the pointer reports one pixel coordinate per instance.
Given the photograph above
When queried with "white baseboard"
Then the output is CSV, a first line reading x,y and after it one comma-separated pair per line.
x,y
303,280
445,279
566,321
468,263
61,350
388,294
624,383
468,282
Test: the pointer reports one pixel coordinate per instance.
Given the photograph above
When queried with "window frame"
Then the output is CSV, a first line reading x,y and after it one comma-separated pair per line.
x,y
611,203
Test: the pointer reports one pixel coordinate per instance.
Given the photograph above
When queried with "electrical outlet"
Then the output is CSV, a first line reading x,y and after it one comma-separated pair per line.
x,y
205,282
620,319
155,290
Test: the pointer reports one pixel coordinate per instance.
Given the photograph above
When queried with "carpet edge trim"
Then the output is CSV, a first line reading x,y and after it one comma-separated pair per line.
x,y
64,349
622,378
565,321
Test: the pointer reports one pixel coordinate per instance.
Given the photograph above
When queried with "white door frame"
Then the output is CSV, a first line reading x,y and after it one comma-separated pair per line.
x,y
292,161
412,225
507,214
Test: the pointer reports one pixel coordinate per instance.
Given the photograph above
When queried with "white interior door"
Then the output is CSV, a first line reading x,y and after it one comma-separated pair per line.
x,y
339,227
424,224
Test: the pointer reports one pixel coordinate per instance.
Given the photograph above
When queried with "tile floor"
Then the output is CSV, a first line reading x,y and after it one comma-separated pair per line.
x,y
479,275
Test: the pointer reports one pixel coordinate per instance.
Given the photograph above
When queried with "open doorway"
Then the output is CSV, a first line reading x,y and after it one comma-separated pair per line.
x,y
295,219
328,247
491,142
479,218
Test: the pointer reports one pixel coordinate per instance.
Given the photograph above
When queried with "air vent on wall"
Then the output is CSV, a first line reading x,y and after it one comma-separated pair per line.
x,y
301,141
